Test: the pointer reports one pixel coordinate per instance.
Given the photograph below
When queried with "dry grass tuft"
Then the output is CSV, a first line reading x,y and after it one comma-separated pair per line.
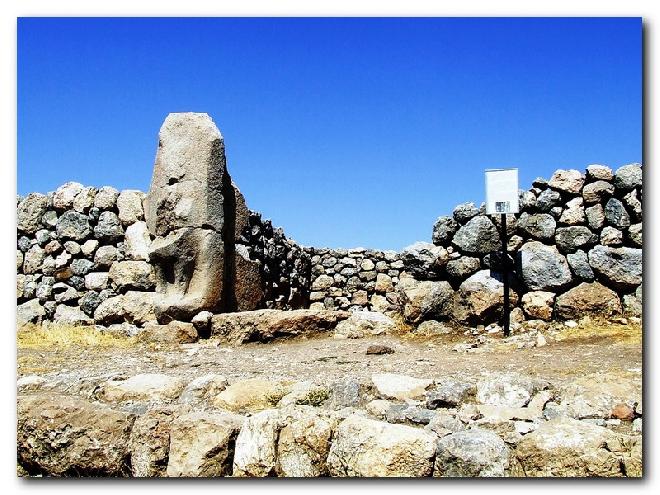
x,y
66,336
600,329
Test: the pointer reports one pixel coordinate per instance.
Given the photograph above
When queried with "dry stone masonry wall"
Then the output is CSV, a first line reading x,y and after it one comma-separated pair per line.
x,y
191,247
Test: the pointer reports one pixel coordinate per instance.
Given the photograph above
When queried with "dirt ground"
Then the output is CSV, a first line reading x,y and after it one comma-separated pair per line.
x,y
604,347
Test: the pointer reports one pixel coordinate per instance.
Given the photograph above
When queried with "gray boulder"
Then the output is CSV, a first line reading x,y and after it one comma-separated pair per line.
x,y
616,214
579,263
443,231
471,453
635,235
461,268
595,216
570,239
480,298
73,225
628,177
108,228
65,194
424,261
425,300
477,236
596,192
543,267
547,200
30,212
540,226
620,268
106,198
132,275
464,212
29,312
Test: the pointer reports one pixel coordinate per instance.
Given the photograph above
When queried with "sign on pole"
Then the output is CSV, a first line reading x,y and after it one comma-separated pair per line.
x,y
501,190
501,199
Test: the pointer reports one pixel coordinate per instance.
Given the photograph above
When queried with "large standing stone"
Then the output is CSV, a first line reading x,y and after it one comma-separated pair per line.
x,y
543,267
30,211
539,226
65,436
365,447
202,444
593,298
185,210
255,453
478,236
620,268
569,181
150,442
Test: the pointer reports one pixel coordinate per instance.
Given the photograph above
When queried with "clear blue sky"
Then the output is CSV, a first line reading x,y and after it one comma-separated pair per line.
x,y
346,132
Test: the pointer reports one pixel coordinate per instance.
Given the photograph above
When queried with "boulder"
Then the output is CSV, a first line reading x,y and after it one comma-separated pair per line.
x,y
369,448
29,312
253,394
597,192
587,298
267,324
248,283
478,236
599,172
634,205
108,227
303,445
620,268
71,315
133,307
570,239
105,256
106,198
202,388
573,213
65,436
30,211
96,280
33,259
548,200
137,242
65,194
424,261
150,442
628,177
610,236
538,304
129,205
394,386
616,214
256,445
443,231
425,300
363,323
84,200
465,212
595,216
508,389
127,275
568,181
81,267
471,453
540,226
145,387
480,298
461,268
449,393
175,332
579,263
384,283
565,447
542,267
202,444
73,225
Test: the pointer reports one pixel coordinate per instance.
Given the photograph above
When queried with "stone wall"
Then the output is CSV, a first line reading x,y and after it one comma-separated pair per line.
x,y
83,254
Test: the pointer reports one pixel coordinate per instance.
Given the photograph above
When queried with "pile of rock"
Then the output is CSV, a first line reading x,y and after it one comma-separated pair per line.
x,y
504,424
354,279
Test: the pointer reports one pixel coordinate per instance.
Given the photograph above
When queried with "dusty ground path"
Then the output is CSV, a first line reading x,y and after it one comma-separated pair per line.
x,y
608,348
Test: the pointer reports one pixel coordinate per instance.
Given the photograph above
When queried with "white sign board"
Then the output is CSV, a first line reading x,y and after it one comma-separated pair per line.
x,y
501,191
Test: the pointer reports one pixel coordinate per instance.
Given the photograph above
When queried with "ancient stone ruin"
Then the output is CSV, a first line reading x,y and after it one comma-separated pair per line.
x,y
186,273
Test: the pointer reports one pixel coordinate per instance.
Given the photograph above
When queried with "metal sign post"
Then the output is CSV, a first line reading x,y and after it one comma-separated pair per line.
x,y
502,198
